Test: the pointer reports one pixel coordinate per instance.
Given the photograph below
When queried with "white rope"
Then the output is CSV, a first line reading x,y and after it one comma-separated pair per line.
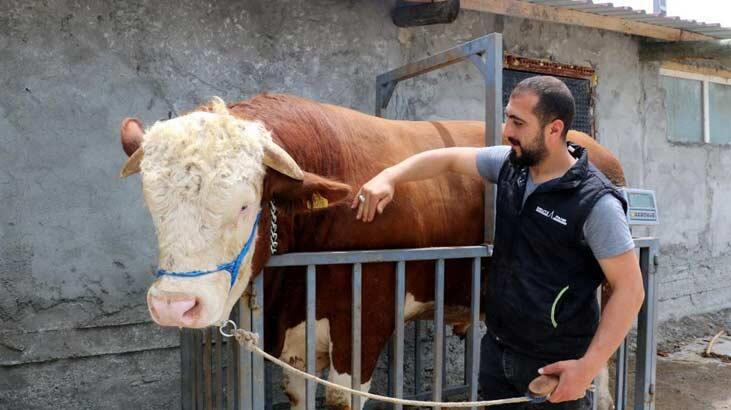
x,y
250,341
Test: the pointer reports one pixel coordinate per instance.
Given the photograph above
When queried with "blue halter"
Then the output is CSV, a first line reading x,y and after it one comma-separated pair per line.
x,y
231,267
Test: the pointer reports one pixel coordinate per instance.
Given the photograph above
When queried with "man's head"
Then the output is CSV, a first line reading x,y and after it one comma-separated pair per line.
x,y
539,115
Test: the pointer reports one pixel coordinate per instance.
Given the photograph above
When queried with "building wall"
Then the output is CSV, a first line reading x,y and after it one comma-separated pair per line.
x,y
77,247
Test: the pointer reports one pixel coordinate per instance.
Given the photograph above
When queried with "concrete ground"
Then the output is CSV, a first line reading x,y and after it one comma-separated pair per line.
x,y
685,379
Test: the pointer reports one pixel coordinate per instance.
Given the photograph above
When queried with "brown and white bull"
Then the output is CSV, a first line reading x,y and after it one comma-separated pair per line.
x,y
207,175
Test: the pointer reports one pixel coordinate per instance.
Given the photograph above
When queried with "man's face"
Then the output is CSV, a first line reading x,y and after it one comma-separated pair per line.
x,y
524,131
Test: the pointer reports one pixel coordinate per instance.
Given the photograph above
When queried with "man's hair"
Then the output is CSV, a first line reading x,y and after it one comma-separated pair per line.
x,y
554,99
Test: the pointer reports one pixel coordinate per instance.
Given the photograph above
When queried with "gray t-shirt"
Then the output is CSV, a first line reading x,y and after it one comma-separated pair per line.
x,y
606,230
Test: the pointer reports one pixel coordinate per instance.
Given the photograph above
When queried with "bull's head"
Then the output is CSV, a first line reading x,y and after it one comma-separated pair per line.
x,y
203,180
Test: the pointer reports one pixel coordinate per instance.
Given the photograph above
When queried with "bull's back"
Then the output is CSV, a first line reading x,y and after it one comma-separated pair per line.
x,y
442,211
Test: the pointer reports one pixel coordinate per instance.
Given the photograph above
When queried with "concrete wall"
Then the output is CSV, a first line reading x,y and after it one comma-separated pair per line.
x,y
77,246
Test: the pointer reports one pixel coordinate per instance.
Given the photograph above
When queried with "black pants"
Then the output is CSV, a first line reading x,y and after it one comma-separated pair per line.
x,y
505,373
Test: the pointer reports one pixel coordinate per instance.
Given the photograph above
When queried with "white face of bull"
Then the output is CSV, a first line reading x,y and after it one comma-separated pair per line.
x,y
202,177
202,181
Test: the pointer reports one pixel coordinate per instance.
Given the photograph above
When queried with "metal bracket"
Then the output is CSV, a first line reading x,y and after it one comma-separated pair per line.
x,y
486,53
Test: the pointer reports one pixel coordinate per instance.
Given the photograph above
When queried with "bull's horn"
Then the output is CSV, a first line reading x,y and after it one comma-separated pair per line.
x,y
132,166
277,158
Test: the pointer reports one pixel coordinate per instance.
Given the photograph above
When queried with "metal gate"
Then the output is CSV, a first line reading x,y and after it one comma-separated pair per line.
x,y
222,375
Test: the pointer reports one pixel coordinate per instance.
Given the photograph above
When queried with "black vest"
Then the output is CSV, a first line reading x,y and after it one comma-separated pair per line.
x,y
540,297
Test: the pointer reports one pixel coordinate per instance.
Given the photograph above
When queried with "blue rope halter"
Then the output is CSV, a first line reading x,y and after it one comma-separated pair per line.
x,y
231,267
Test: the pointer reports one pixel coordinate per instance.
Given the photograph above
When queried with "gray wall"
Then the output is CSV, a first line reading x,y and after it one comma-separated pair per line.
x,y
77,246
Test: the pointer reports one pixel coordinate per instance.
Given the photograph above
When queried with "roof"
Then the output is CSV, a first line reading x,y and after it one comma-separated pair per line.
x,y
627,13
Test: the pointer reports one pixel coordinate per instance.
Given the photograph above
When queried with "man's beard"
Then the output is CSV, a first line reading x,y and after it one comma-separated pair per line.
x,y
529,156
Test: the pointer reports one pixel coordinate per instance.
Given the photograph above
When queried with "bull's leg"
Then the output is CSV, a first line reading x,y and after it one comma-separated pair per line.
x,y
337,399
293,352
340,361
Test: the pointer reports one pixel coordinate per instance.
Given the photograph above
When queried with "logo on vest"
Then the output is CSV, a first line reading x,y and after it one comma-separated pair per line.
x,y
551,215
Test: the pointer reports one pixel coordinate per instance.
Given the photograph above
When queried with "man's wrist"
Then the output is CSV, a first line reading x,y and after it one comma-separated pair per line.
x,y
593,363
390,175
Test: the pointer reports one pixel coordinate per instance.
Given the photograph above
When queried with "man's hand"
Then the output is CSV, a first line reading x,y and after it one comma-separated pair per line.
x,y
575,377
373,196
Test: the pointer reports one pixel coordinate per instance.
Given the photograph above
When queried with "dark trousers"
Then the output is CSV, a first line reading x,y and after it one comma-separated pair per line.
x,y
505,373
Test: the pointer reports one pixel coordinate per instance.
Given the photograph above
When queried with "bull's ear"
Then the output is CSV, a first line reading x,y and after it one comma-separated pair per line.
x,y
311,193
131,133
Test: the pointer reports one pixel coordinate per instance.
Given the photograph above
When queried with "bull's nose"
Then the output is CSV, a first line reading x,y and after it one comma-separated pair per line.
x,y
174,310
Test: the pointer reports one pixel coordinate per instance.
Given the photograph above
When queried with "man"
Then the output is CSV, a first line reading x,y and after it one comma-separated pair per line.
x,y
560,231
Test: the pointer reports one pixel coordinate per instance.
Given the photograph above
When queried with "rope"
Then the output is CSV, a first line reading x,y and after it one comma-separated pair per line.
x,y
250,340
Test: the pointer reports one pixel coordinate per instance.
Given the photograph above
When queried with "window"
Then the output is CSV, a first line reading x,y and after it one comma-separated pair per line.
x,y
580,89
698,107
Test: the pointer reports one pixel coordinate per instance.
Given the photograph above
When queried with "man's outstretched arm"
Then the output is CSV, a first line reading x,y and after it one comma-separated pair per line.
x,y
375,194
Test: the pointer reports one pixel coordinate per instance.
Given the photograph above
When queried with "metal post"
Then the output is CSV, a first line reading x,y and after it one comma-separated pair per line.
x,y
218,383
245,365
257,324
646,349
310,336
438,331
233,358
198,368
356,332
493,119
620,388
418,364
397,359
207,368
186,382
487,54
473,339
659,7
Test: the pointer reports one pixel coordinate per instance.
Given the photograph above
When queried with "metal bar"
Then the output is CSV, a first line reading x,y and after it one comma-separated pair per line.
x,y
245,373
310,336
707,111
418,364
443,59
466,358
389,358
620,388
186,385
198,368
397,359
645,242
447,392
218,364
207,369
445,382
269,390
646,349
233,360
257,324
395,255
493,120
356,333
473,338
384,92
438,331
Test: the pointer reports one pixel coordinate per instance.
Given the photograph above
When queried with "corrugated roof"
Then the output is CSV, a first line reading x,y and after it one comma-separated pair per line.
x,y
627,13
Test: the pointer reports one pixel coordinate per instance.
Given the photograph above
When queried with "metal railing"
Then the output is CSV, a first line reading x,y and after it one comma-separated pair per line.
x,y
218,374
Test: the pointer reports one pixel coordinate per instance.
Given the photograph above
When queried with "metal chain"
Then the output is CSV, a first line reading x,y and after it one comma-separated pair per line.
x,y
273,243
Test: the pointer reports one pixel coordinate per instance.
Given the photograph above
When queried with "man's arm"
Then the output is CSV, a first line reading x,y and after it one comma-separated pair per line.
x,y
378,192
624,276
